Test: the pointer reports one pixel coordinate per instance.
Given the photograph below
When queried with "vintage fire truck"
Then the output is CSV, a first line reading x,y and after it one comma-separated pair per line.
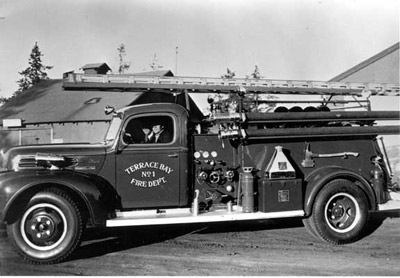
x,y
253,157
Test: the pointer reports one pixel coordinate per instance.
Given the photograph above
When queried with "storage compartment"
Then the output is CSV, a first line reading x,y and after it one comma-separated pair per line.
x,y
280,195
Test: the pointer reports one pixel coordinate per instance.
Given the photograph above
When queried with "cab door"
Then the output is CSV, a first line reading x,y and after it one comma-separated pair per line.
x,y
152,173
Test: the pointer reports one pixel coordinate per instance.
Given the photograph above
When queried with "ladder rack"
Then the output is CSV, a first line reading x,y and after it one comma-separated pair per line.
x,y
123,82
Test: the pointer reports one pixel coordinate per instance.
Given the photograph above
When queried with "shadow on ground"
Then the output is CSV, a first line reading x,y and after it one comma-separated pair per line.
x,y
377,218
103,241
98,242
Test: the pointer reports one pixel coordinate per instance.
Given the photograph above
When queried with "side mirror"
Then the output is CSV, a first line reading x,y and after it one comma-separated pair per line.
x,y
127,137
124,140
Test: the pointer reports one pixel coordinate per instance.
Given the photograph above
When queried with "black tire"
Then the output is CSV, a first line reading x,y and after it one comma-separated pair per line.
x,y
308,224
49,229
340,212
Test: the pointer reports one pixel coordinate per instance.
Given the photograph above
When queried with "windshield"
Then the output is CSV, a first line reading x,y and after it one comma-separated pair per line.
x,y
113,130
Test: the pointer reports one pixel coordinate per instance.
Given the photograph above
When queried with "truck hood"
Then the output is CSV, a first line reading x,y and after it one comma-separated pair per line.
x,y
78,157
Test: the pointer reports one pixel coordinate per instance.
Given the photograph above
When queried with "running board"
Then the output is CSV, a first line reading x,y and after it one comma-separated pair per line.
x,y
393,204
182,216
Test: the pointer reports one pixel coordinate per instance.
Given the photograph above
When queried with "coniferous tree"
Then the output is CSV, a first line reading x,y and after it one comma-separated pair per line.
x,y
34,73
154,64
255,74
3,99
229,74
123,66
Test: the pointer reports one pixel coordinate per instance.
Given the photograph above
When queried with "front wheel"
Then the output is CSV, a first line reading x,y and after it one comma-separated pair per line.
x,y
49,229
340,212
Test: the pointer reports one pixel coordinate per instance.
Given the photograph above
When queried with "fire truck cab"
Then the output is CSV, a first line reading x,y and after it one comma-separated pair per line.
x,y
152,174
158,166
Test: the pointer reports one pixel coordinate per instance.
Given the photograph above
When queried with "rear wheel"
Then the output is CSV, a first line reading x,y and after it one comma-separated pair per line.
x,y
49,229
340,212
308,224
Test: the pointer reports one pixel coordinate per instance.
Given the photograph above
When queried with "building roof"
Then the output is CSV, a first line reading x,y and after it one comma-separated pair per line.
x,y
47,102
159,73
366,63
95,66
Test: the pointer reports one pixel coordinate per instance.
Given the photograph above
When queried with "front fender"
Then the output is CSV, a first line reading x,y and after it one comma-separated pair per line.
x,y
320,177
93,193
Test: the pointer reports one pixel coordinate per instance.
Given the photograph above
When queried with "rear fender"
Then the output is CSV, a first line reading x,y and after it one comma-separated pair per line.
x,y
95,196
320,177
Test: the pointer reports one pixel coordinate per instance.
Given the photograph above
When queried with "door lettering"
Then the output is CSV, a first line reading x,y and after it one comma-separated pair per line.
x,y
145,174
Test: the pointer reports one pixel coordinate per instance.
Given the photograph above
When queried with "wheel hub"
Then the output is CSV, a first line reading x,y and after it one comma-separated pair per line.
x,y
42,227
341,212
337,211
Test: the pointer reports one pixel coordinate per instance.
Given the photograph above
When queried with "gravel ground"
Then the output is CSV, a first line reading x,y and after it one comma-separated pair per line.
x,y
277,247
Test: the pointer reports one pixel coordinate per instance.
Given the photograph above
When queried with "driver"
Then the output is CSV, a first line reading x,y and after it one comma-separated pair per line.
x,y
160,135
148,134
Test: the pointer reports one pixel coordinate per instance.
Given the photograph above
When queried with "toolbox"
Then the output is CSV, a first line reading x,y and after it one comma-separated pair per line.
x,y
280,195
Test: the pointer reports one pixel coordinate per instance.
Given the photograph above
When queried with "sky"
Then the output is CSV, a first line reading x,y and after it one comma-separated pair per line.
x,y
286,39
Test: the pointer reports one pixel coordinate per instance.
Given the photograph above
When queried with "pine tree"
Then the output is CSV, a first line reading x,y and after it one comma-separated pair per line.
x,y
255,74
3,100
154,64
123,66
34,73
229,74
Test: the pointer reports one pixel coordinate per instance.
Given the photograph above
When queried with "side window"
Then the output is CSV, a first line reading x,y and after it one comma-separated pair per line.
x,y
149,130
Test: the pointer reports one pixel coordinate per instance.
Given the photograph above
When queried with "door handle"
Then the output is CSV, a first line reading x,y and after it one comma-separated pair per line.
x,y
173,155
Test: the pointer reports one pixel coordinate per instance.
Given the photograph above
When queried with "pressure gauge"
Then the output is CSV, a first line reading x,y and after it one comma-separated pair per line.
x,y
206,154
197,155
214,154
